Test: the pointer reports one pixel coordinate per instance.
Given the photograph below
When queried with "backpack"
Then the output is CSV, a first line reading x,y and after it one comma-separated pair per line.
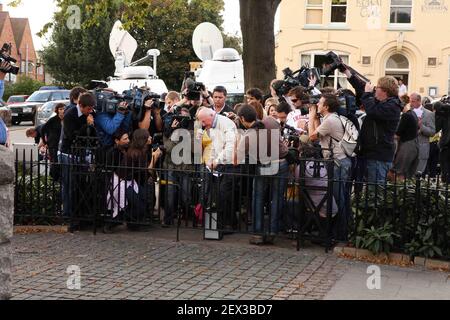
x,y
349,141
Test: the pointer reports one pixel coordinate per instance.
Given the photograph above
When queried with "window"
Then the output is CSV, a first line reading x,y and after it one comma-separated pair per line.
x,y
397,61
339,11
57,96
401,11
314,11
432,62
337,81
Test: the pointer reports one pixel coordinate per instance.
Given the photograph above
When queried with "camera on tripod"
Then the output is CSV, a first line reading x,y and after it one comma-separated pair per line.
x,y
5,55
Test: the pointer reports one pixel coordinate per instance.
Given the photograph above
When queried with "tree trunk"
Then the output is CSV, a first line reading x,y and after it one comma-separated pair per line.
x,y
257,24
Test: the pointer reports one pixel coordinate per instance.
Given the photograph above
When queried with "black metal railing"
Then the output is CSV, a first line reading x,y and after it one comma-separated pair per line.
x,y
411,216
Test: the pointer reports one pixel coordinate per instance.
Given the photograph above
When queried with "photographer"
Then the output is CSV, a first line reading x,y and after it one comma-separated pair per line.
x,y
267,188
3,134
7,65
298,117
178,179
3,66
330,132
51,134
74,96
220,97
383,109
443,123
78,122
172,98
283,110
223,133
107,123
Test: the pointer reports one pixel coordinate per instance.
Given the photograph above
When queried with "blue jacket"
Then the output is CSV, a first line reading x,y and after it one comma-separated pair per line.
x,y
3,132
107,124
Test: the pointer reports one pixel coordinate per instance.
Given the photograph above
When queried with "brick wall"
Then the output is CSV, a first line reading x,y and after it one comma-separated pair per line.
x,y
27,39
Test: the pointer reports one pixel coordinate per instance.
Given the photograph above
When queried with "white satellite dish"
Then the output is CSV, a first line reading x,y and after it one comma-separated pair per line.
x,y
206,40
122,44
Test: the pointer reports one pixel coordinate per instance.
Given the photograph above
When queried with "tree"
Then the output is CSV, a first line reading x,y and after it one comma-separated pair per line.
x,y
257,24
164,24
169,28
76,56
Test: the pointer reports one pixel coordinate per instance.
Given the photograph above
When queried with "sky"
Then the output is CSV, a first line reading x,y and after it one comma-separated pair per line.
x,y
39,12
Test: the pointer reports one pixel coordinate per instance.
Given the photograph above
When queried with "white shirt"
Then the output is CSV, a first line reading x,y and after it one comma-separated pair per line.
x,y
223,136
419,112
402,90
294,117
79,111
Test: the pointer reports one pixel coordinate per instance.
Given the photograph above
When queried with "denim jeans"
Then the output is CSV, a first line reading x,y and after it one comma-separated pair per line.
x,y
377,171
2,89
66,184
277,185
341,193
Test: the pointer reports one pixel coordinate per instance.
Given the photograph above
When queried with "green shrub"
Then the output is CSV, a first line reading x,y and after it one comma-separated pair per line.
x,y
416,218
37,197
377,240
23,86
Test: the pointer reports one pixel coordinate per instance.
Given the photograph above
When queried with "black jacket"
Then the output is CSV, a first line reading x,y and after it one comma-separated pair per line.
x,y
408,128
376,139
74,126
51,132
443,123
225,109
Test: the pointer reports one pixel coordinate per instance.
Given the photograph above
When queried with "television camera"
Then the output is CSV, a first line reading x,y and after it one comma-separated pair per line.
x,y
442,107
5,55
294,79
193,89
134,99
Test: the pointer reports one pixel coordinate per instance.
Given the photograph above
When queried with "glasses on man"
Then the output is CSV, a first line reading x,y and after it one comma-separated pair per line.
x,y
295,100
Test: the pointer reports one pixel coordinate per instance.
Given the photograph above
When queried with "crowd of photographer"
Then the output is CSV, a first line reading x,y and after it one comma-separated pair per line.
x,y
183,137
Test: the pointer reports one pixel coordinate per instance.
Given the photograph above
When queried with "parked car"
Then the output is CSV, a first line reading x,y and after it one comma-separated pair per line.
x,y
16,99
51,88
47,111
27,111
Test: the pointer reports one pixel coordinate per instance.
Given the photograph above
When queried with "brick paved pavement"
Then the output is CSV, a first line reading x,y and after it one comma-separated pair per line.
x,y
153,266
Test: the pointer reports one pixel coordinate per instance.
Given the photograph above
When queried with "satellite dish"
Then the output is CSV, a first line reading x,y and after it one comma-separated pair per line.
x,y
122,44
207,39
